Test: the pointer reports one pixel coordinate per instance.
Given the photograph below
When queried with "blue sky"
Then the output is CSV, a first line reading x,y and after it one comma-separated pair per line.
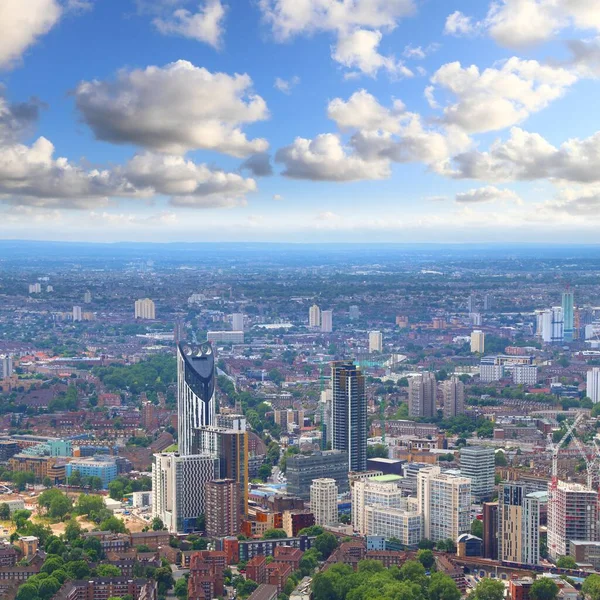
x,y
299,120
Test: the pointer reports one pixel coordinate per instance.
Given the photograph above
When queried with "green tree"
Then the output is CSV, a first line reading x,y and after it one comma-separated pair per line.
x,y
73,530
426,558
274,534
543,588
477,528
325,544
566,562
77,569
4,511
51,564
60,506
500,459
377,451
181,589
413,571
591,587
157,524
88,504
426,544
442,587
116,490
489,589
48,587
108,571
113,524
27,591
20,517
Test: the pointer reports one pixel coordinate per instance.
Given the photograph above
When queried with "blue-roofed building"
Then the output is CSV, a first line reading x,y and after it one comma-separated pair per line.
x,y
104,467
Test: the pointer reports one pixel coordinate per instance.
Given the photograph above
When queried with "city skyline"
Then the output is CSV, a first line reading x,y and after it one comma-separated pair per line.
x,y
219,121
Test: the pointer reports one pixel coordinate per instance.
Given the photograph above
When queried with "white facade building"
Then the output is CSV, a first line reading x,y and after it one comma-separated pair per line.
x,y
323,501
77,313
237,322
551,325
593,385
326,321
478,341
478,463
404,525
444,503
145,309
375,341
382,491
525,374
6,365
314,316
226,337
178,488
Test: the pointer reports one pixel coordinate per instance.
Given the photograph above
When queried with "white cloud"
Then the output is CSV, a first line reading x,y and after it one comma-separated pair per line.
x,y
22,23
363,111
520,23
292,17
418,52
187,183
499,97
395,134
206,25
174,109
30,175
487,194
277,197
359,50
285,85
326,159
435,198
459,24
358,26
528,156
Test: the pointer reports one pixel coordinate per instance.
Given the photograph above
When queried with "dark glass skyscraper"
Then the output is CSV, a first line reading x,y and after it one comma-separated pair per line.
x,y
195,391
349,413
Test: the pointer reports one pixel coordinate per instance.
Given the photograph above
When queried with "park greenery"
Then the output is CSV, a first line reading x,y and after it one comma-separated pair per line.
x,y
372,581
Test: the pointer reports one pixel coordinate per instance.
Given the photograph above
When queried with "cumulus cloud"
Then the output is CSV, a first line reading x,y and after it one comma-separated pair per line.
x,y
529,156
459,24
326,159
582,201
394,134
358,26
487,194
499,97
291,17
187,183
285,86
363,111
520,23
32,176
359,50
22,24
277,197
258,164
16,119
206,25
174,109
